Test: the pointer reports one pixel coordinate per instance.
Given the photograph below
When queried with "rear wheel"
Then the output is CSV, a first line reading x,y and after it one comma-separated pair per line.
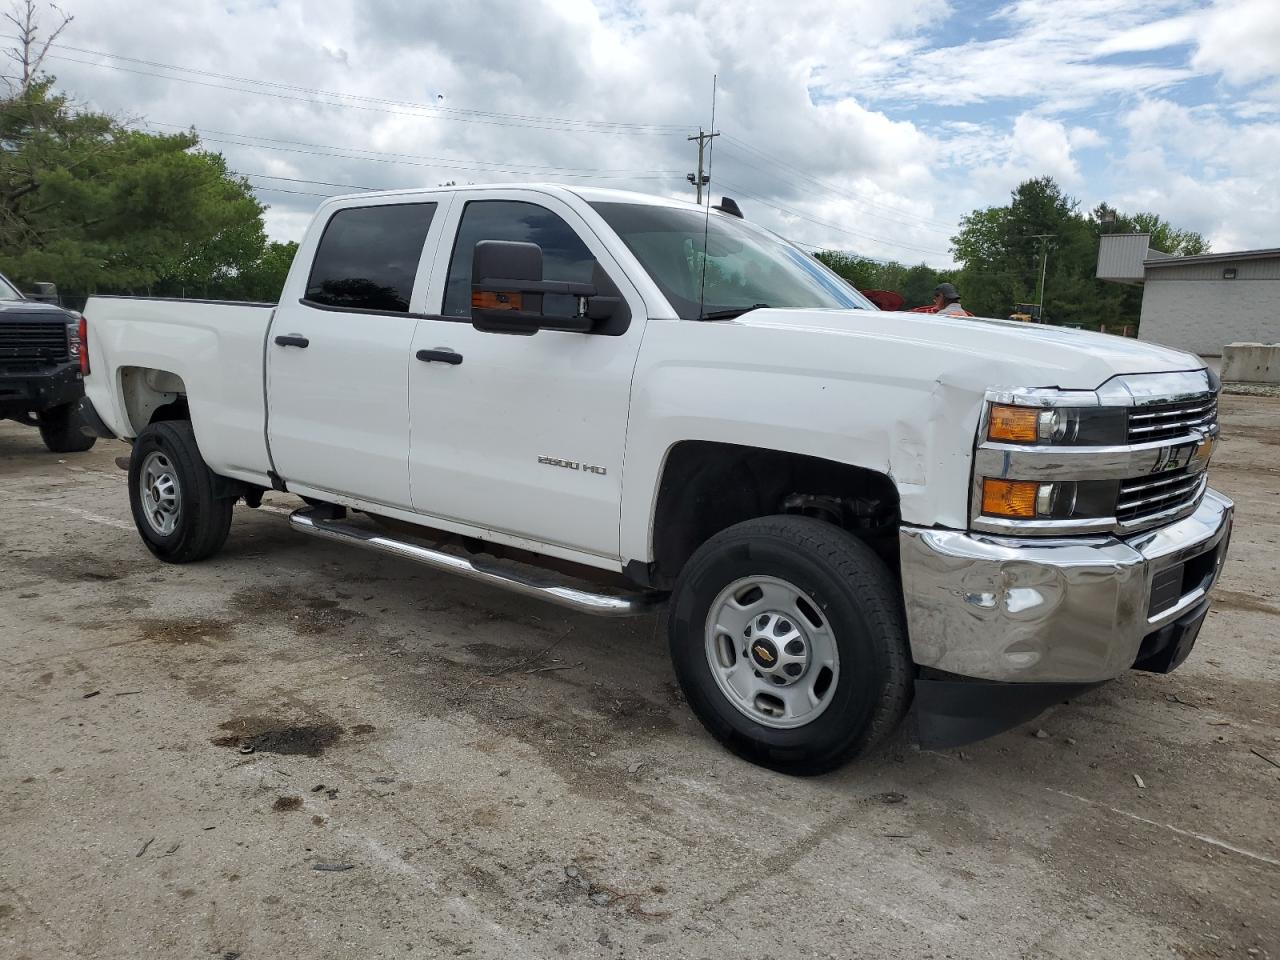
x,y
787,637
171,494
60,430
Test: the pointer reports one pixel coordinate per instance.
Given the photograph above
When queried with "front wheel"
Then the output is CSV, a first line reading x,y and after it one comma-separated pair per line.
x,y
171,494
60,430
787,638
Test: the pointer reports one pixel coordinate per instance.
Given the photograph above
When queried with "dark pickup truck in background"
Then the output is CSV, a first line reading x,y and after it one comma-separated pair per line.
x,y
42,365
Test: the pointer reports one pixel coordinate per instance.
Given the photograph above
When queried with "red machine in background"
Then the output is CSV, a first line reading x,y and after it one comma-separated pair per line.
x,y
884,299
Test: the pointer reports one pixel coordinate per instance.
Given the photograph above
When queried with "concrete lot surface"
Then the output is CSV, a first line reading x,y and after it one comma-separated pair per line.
x,y
505,780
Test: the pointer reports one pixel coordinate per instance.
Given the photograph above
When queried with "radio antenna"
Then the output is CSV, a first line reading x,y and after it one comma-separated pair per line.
x,y
706,224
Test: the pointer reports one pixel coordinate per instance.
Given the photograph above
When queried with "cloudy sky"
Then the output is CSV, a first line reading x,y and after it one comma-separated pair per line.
x,y
867,125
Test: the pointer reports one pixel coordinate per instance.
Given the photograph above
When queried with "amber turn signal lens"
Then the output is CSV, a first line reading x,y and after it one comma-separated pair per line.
x,y
1013,424
1009,498
490,300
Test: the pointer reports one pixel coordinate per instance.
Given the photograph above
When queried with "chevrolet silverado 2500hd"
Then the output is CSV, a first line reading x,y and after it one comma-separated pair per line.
x,y
42,366
846,508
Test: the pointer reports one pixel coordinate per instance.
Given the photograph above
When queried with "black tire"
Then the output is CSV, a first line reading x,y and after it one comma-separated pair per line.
x,y
203,520
846,583
60,430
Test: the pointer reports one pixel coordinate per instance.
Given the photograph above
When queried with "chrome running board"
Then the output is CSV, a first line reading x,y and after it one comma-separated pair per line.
x,y
598,604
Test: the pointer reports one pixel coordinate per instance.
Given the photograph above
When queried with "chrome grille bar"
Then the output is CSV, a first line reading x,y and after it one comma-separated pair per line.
x,y
1182,495
1199,409
1172,425
1133,486
1172,418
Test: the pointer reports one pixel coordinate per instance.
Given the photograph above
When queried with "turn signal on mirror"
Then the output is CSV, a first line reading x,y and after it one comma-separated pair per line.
x,y
1009,498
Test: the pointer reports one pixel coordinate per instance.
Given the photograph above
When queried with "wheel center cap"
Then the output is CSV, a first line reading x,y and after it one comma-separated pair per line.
x,y
764,653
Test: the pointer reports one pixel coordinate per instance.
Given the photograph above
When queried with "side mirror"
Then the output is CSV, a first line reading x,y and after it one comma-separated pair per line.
x,y
507,290
44,293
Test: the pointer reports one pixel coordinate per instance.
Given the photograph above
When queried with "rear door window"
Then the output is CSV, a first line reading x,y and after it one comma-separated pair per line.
x,y
368,257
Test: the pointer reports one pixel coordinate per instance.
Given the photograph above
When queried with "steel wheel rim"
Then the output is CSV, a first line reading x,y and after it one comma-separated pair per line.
x,y
772,652
161,493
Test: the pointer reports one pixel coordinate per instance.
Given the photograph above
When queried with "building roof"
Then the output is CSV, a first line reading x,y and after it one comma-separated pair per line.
x,y
1121,255
1234,255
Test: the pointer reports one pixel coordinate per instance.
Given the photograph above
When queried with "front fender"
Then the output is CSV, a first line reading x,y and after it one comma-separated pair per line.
x,y
876,408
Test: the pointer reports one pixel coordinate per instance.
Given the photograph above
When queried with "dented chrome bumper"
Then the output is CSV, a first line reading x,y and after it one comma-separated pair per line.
x,y
1060,610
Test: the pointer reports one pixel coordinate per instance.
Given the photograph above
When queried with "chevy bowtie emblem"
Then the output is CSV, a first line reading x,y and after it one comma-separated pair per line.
x,y
763,653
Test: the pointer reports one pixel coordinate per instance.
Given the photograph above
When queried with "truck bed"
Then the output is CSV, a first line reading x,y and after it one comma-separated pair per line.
x,y
161,349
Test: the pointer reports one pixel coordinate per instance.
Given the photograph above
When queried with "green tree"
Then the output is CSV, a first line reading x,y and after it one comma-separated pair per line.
x,y
915,284
264,278
918,283
1003,252
96,207
861,272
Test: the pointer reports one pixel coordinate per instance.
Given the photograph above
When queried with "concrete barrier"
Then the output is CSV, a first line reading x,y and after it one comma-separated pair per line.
x,y
1251,363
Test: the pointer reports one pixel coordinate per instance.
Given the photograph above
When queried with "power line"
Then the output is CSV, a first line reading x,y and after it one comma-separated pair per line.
x,y
819,248
318,183
300,193
896,212
827,223
425,111
413,156
464,164
776,161
421,111
434,166
887,217
674,128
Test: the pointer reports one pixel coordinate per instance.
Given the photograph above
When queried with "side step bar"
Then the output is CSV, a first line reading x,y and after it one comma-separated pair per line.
x,y
598,604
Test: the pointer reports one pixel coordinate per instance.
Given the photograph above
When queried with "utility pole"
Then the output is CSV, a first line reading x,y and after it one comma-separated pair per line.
x,y
700,179
1044,239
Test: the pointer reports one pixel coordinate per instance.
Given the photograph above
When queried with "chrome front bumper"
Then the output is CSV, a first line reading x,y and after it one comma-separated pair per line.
x,y
1052,610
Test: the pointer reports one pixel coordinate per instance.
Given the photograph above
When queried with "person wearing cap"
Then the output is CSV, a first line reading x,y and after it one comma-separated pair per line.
x,y
946,299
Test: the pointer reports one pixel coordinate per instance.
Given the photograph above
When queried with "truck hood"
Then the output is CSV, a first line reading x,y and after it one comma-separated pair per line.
x,y
1012,354
27,311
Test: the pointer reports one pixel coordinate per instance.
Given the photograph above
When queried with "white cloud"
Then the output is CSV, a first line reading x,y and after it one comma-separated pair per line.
x,y
887,129
1204,172
1048,50
1240,39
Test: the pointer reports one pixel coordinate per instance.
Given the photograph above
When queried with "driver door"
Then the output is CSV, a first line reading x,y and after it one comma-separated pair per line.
x,y
522,435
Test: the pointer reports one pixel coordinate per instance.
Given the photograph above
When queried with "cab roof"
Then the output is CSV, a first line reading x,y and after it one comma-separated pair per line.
x,y
589,194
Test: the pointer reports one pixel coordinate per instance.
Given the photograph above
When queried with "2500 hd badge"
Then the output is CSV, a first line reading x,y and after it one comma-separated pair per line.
x,y
574,465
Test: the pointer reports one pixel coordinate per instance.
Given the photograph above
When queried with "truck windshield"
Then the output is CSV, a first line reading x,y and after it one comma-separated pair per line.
x,y
8,291
746,266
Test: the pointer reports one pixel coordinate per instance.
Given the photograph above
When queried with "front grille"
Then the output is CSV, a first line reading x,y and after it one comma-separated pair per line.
x,y
1144,497
1170,419
33,341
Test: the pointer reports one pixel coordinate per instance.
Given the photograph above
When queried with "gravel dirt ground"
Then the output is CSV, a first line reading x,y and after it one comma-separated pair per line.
x,y
439,769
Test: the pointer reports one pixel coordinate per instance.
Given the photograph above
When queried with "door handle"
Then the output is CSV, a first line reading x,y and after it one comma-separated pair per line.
x,y
292,340
440,355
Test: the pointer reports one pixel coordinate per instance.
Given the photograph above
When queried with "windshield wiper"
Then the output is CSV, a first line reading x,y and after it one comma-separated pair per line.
x,y
731,314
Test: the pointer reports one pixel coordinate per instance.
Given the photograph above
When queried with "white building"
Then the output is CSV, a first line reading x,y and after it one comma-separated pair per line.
x,y
1198,303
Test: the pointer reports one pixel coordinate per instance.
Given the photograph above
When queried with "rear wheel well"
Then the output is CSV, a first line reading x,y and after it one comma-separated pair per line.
x,y
708,487
176,409
152,395
155,396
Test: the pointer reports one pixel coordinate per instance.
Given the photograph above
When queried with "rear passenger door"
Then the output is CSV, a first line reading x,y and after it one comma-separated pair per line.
x,y
338,352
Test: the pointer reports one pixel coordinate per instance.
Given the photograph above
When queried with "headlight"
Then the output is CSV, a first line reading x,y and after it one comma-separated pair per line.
x,y
1061,426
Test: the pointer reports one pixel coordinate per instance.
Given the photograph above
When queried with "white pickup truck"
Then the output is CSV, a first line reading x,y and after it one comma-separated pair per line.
x,y
845,508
